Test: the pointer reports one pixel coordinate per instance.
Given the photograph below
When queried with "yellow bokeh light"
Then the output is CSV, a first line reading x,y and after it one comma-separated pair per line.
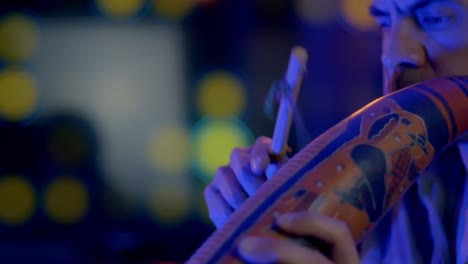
x,y
18,95
19,36
221,94
68,145
17,200
356,14
213,142
120,8
169,149
316,11
171,201
66,200
173,9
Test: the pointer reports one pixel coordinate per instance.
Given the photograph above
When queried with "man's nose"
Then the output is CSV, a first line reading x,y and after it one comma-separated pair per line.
x,y
401,48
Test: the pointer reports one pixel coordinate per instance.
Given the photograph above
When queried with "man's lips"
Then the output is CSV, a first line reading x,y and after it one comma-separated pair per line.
x,y
399,82
394,84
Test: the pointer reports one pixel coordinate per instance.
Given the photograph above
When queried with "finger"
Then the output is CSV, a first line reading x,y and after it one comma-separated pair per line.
x,y
323,227
271,170
218,209
260,155
240,164
270,250
226,182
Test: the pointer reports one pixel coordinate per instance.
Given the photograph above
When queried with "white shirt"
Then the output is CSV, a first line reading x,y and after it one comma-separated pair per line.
x,y
398,244
462,227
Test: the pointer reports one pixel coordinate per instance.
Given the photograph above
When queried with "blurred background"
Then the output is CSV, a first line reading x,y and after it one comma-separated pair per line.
x,y
114,114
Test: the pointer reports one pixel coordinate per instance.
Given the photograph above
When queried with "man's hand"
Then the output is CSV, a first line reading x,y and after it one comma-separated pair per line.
x,y
330,230
234,183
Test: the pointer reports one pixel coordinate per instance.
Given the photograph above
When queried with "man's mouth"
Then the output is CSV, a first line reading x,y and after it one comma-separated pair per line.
x,y
399,82
396,84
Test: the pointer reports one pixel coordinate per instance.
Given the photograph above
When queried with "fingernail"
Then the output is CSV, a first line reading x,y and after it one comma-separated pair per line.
x,y
254,166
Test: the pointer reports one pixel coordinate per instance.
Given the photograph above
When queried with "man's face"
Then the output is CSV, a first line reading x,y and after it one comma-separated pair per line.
x,y
421,39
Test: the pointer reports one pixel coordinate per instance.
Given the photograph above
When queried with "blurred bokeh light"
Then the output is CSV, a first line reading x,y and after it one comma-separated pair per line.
x,y
17,199
173,9
66,200
221,94
169,149
110,133
355,13
213,141
120,8
19,95
171,201
19,35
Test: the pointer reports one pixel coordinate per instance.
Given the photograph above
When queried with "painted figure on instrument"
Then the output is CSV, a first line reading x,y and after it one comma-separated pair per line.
x,y
395,133
421,40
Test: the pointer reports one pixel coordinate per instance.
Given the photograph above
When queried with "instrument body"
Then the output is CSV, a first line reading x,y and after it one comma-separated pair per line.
x,y
356,170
